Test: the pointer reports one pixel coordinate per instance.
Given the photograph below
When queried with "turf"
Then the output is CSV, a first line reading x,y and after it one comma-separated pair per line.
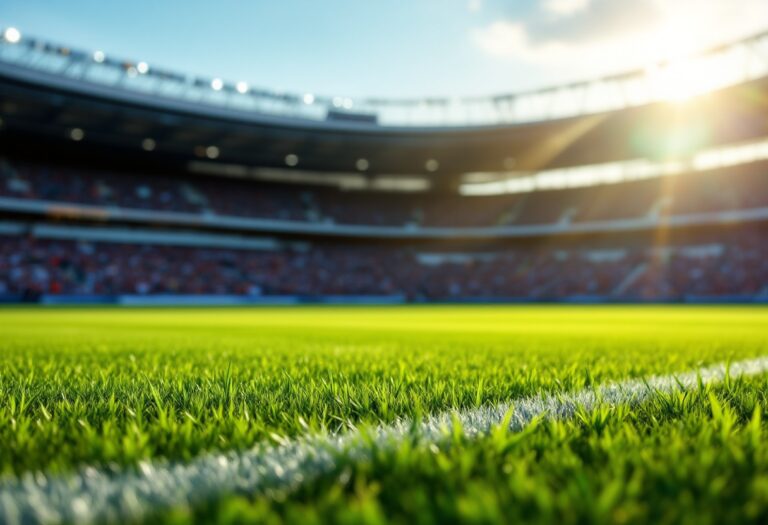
x,y
109,388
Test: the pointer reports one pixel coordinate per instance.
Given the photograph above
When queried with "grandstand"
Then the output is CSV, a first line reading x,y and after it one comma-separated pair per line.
x,y
120,183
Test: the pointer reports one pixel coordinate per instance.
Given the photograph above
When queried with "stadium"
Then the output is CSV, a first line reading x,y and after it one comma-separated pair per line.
x,y
225,303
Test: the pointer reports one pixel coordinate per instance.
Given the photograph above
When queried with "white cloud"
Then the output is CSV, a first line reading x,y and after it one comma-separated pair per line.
x,y
510,40
503,39
608,36
473,6
565,7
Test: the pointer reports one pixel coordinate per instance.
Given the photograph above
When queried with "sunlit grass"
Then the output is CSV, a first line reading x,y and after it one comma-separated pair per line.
x,y
108,387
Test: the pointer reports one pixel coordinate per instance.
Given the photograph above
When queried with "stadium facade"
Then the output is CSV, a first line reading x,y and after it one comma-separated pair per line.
x,y
123,183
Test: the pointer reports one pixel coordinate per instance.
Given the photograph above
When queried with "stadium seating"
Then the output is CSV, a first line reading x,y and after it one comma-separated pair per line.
x,y
731,189
713,267
739,268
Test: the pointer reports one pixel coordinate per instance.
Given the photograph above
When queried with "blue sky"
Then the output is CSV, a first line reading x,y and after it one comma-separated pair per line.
x,y
391,48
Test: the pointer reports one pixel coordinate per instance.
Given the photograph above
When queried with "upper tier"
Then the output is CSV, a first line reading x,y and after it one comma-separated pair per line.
x,y
97,73
58,190
59,93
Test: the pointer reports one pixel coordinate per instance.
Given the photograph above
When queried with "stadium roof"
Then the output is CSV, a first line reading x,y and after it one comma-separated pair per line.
x,y
58,94
715,68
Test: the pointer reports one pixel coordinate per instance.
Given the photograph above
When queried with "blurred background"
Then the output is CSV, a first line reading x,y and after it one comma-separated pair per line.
x,y
448,151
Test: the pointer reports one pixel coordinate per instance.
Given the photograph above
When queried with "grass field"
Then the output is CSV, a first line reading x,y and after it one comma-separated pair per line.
x,y
114,390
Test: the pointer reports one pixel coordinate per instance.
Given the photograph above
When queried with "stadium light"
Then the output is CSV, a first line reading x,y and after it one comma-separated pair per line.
x,y
347,104
362,164
99,57
12,35
76,134
212,152
148,144
242,87
142,68
309,98
291,160
217,84
432,165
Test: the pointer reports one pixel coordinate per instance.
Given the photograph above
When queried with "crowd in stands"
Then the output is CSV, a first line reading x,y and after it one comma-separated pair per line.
x,y
736,267
733,266
734,188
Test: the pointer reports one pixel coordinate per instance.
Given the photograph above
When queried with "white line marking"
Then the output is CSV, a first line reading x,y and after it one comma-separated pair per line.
x,y
93,495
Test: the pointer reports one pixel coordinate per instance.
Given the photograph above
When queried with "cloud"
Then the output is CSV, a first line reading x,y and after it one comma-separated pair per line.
x,y
473,6
511,40
503,39
565,7
583,20
589,37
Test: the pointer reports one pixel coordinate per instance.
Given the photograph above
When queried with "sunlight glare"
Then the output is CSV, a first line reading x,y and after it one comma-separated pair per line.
x,y
678,76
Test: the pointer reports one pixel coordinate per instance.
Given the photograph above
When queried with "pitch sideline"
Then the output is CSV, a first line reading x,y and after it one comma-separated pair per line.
x,y
93,495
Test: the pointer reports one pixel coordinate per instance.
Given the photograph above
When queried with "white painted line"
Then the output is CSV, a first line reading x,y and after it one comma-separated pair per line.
x,y
93,495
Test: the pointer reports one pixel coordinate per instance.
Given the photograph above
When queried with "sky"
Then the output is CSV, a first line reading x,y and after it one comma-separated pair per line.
x,y
391,48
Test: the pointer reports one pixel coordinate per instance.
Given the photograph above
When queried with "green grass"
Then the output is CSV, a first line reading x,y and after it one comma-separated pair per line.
x,y
107,387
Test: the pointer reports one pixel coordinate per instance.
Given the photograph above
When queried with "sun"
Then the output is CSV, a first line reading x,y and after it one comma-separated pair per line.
x,y
681,72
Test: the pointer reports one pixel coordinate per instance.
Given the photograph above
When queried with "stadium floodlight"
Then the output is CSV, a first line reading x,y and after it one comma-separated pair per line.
x,y
76,134
309,98
142,68
242,87
291,160
347,104
432,165
212,152
338,102
99,57
12,35
148,144
217,84
362,164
